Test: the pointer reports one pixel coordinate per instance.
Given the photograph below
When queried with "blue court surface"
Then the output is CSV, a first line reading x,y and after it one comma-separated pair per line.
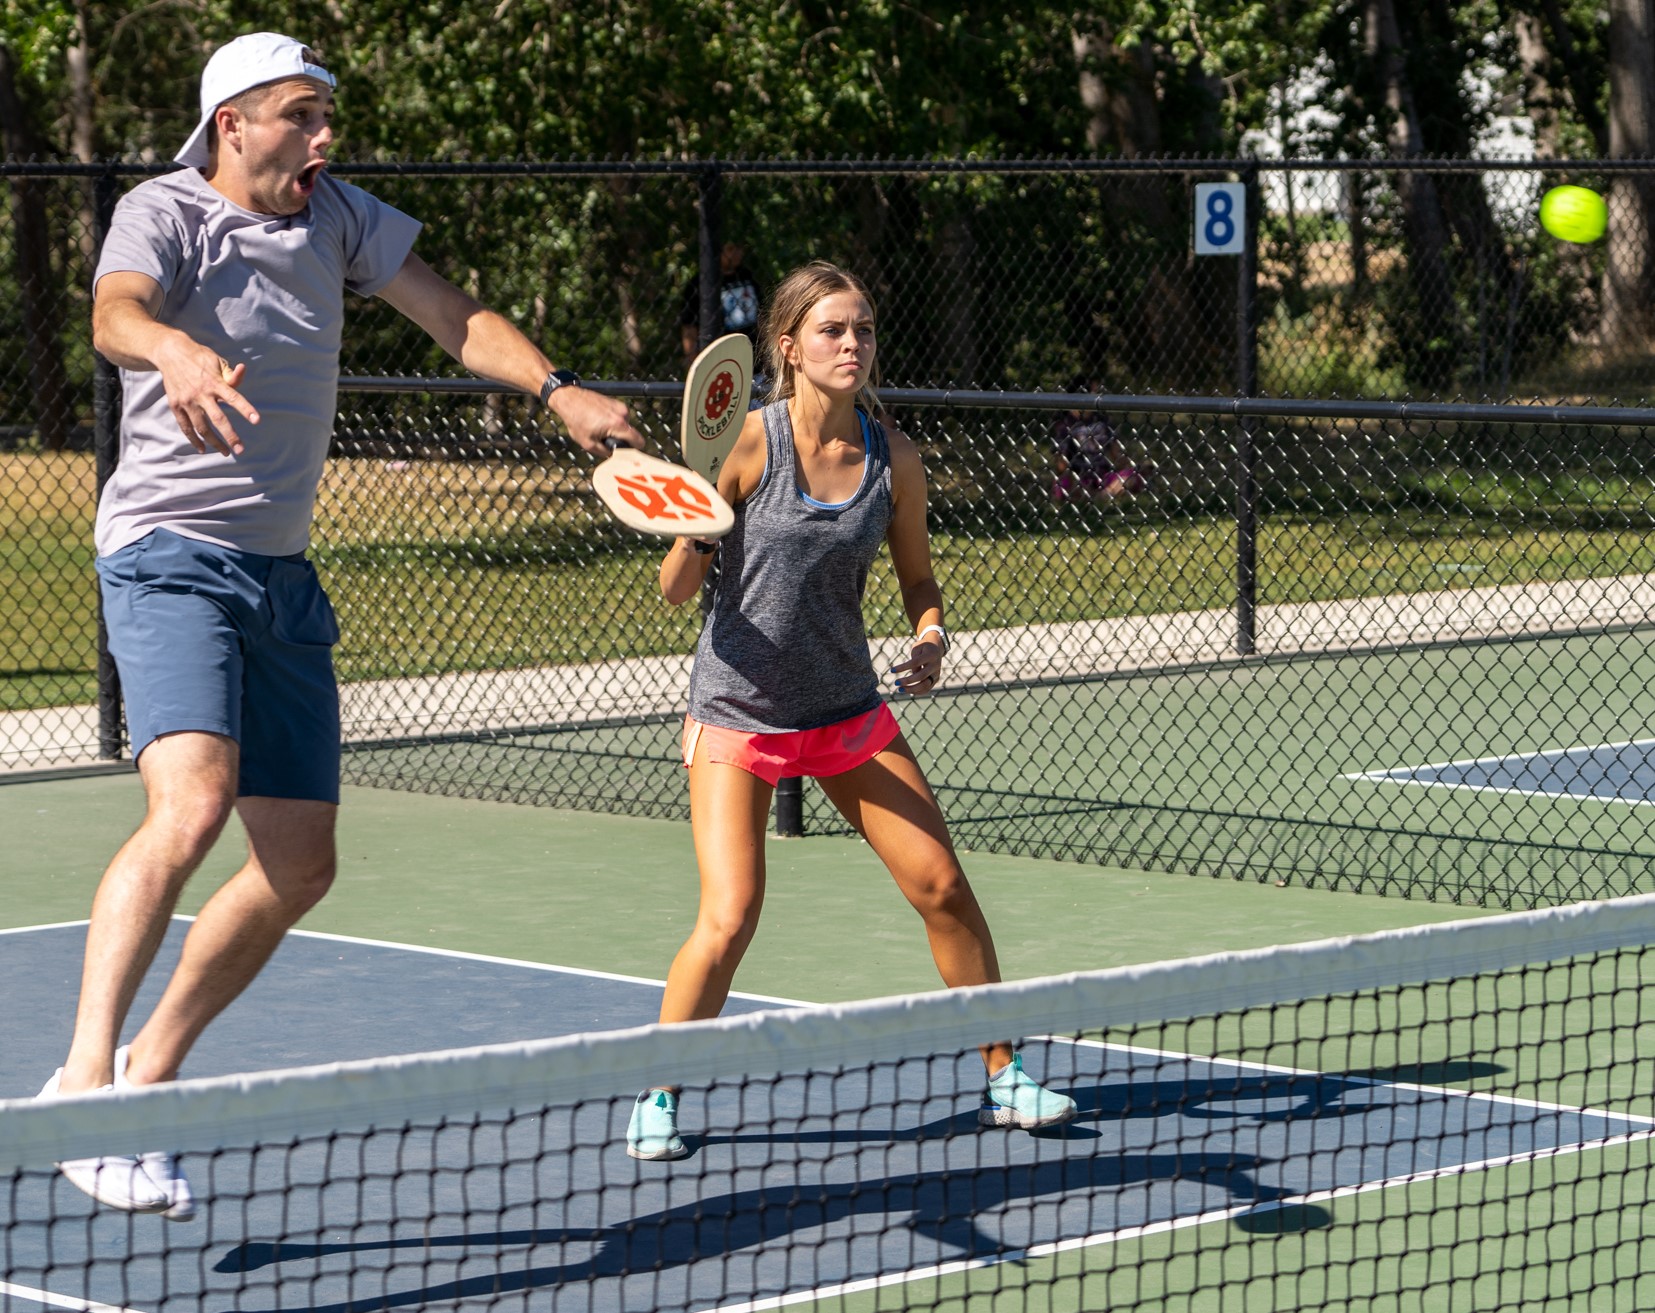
x,y
1605,772
798,1185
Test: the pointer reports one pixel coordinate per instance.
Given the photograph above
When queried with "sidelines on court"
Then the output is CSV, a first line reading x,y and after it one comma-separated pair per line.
x,y
1425,776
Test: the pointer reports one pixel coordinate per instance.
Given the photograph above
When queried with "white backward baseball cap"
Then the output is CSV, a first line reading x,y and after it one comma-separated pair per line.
x,y
240,65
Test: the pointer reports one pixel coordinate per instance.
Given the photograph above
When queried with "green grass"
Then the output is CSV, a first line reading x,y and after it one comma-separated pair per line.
x,y
438,567
48,593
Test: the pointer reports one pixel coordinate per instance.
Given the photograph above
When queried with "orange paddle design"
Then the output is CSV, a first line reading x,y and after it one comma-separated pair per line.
x,y
655,496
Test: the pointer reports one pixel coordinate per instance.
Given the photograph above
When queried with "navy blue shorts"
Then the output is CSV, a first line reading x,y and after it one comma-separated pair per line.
x,y
211,639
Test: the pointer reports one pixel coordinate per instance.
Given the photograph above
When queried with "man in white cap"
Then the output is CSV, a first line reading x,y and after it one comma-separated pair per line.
x,y
220,294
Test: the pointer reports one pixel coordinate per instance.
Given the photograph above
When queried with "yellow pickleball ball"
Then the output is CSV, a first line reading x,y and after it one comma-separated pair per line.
x,y
1574,214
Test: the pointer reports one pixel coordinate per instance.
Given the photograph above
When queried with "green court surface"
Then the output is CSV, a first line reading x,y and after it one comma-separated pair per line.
x,y
618,894
1265,770
1555,1234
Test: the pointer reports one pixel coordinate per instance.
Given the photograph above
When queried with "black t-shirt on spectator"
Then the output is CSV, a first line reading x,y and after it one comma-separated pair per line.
x,y
739,297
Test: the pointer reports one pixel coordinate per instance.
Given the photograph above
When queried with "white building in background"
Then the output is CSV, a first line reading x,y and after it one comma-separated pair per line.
x,y
1513,195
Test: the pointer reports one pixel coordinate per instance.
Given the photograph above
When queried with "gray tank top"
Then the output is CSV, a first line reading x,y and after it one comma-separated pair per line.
x,y
784,647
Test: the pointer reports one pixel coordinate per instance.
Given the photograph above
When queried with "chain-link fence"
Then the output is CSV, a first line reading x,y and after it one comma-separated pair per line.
x,y
1372,646
1407,655
1372,279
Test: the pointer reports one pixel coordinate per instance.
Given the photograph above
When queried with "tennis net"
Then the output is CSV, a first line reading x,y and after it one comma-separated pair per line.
x,y
1451,1116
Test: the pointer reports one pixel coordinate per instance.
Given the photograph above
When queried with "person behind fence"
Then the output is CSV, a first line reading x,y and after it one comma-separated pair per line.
x,y
739,299
783,683
1091,462
219,292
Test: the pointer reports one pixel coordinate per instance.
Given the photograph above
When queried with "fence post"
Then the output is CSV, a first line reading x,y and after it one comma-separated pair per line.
x,y
106,444
712,242
1246,454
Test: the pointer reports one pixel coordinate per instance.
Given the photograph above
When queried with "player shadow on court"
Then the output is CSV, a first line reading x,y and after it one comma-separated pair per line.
x,y
954,1126
942,1207
947,1206
1296,1096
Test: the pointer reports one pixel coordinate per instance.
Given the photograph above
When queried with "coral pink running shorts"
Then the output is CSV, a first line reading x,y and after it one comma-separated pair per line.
x,y
830,750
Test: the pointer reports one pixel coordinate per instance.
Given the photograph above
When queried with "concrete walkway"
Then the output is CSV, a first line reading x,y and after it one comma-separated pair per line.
x,y
568,695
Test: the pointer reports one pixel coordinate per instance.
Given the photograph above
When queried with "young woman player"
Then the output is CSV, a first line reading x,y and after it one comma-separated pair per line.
x,y
783,684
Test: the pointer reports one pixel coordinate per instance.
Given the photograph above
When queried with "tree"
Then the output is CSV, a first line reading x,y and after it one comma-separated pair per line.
x,y
38,287
1629,279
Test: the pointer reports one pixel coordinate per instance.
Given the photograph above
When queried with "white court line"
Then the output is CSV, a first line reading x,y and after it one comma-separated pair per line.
x,y
60,1301
1504,788
470,957
1173,1055
1402,774
1505,756
1052,1248
55,925
531,966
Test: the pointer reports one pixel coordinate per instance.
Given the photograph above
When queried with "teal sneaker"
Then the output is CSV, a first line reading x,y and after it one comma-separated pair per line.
x,y
1014,1098
652,1133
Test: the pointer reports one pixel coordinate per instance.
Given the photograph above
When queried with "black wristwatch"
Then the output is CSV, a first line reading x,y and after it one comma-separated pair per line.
x,y
558,378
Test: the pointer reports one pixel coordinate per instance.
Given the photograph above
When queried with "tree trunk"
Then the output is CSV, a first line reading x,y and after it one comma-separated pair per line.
x,y
79,61
1435,350
1582,90
1123,114
1356,220
82,131
1171,327
1293,294
872,204
1540,97
1629,278
32,259
957,344
1554,74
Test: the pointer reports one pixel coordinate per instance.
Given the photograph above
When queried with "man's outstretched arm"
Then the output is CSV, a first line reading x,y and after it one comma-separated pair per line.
x,y
489,345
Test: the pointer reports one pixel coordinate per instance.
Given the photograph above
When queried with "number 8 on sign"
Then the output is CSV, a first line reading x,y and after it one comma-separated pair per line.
x,y
1220,218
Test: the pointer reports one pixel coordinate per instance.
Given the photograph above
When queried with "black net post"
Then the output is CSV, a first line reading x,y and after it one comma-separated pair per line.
x,y
790,809
106,412
1246,456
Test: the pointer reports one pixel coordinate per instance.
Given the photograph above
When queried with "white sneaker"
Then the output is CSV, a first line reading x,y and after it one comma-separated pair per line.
x,y
120,1182
167,1177
161,1168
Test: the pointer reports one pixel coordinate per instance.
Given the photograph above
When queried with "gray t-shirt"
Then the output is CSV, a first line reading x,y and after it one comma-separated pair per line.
x,y
264,290
784,647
